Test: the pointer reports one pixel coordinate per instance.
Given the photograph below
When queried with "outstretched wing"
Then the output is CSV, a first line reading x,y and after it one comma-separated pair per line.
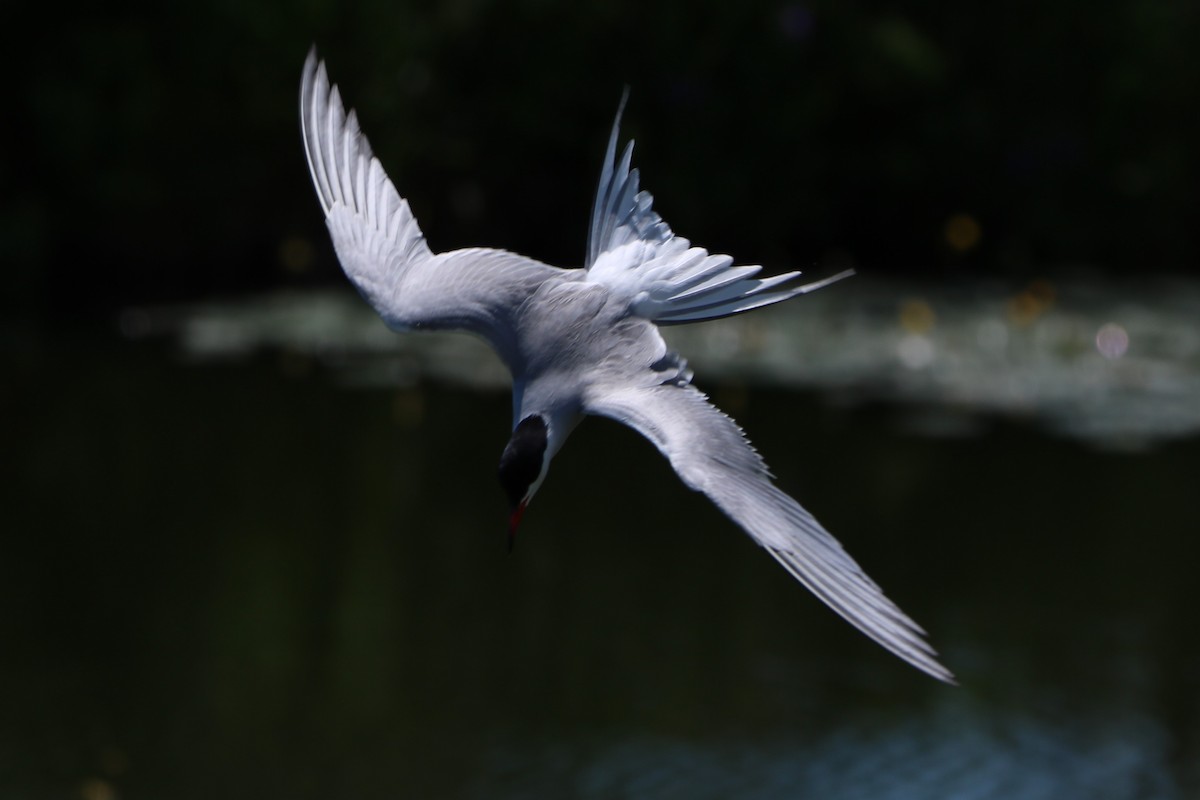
x,y
632,251
711,455
382,249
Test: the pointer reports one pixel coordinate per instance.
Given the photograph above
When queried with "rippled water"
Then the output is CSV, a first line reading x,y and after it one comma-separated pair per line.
x,y
263,555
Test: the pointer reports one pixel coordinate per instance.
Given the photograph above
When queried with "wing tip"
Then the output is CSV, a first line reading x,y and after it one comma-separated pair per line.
x,y
870,611
312,76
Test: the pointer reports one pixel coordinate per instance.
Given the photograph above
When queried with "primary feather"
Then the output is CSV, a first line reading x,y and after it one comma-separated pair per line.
x,y
381,248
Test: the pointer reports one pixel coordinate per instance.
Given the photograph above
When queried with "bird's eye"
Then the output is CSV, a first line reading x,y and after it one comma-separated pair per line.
x,y
521,461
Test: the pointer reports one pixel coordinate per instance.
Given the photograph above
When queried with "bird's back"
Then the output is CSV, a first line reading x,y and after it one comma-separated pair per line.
x,y
573,334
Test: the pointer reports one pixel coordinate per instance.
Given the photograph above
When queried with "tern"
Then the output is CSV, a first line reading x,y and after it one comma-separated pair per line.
x,y
587,341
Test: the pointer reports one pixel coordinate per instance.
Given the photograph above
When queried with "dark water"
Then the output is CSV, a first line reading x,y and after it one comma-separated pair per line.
x,y
244,580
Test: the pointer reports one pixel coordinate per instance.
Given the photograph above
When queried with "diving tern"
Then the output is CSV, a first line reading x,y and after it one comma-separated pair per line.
x,y
586,341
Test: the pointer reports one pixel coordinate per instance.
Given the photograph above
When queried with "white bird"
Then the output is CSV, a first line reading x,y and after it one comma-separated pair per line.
x,y
586,341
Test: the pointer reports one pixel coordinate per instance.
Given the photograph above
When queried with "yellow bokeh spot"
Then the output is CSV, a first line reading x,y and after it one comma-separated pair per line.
x,y
296,254
1035,300
97,789
408,407
962,232
917,316
113,760
1043,291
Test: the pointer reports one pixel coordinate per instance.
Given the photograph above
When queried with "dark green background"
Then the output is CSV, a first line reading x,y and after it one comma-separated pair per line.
x,y
243,580
153,150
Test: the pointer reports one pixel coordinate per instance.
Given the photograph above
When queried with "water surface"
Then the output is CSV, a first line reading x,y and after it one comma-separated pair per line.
x,y
282,573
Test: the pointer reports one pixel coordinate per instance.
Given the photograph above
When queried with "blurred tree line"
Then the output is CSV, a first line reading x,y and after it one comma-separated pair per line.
x,y
153,152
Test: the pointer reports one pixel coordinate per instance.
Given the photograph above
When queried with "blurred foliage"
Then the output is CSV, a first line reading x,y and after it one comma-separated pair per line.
x,y
156,153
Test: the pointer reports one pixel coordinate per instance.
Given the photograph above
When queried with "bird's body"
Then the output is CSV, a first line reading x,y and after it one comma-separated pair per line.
x,y
586,341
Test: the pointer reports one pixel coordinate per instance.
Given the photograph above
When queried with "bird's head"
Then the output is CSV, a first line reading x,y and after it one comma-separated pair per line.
x,y
523,467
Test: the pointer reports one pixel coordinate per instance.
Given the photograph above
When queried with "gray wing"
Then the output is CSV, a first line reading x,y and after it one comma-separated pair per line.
x,y
633,252
382,249
711,455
